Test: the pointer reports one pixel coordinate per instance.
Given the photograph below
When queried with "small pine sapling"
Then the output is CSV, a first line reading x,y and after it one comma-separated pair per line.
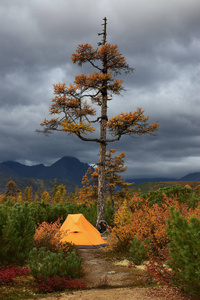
x,y
138,251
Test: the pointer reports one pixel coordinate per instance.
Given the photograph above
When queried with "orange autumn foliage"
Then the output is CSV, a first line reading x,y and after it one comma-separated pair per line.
x,y
145,221
87,192
48,235
130,123
120,235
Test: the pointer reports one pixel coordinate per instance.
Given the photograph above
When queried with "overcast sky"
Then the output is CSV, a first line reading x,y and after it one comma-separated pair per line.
x,y
160,39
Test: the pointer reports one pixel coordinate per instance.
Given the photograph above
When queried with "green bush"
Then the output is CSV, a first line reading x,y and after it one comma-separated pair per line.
x,y
184,250
55,211
138,251
38,212
183,194
46,264
61,210
4,212
47,212
58,210
17,230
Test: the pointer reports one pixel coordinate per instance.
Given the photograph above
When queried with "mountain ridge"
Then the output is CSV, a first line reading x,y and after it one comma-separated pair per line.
x,y
68,170
191,177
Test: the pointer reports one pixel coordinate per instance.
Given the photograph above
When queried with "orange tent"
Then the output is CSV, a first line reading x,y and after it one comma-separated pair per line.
x,y
81,232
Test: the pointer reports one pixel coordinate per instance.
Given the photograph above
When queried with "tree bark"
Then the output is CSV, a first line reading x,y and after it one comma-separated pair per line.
x,y
102,143
102,160
101,184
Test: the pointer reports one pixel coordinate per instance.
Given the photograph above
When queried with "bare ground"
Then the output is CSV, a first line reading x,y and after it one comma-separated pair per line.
x,y
119,282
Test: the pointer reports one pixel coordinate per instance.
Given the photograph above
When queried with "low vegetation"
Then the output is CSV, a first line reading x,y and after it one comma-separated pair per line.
x,y
163,226
159,229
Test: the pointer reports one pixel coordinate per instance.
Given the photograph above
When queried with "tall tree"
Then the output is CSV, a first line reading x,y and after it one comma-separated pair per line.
x,y
75,103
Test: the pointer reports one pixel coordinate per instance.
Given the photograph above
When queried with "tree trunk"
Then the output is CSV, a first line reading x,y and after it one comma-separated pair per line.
x,y
101,184
102,162
102,143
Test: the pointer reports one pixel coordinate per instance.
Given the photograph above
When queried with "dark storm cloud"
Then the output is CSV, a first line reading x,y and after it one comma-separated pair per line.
x,y
160,39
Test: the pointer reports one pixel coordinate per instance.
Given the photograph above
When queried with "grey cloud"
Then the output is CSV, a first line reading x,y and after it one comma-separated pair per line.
x,y
160,39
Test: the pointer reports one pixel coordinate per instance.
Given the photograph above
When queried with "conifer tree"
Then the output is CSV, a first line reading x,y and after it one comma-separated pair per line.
x,y
75,105
28,194
45,197
88,190
115,166
37,195
60,194
19,198
11,190
54,188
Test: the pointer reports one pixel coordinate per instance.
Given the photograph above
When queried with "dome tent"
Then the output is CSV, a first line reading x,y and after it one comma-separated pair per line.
x,y
81,233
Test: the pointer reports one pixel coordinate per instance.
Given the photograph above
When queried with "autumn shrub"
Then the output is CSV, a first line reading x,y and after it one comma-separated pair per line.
x,y
138,250
49,236
145,222
150,222
184,248
17,230
45,235
45,264
120,235
139,219
178,262
57,283
157,268
7,273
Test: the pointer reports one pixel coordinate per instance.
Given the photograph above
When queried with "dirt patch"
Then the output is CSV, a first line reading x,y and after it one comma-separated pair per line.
x,y
100,271
119,282
108,294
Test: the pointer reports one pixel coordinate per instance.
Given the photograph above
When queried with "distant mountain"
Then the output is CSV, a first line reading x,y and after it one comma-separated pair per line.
x,y
67,168
6,171
143,180
191,177
20,170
